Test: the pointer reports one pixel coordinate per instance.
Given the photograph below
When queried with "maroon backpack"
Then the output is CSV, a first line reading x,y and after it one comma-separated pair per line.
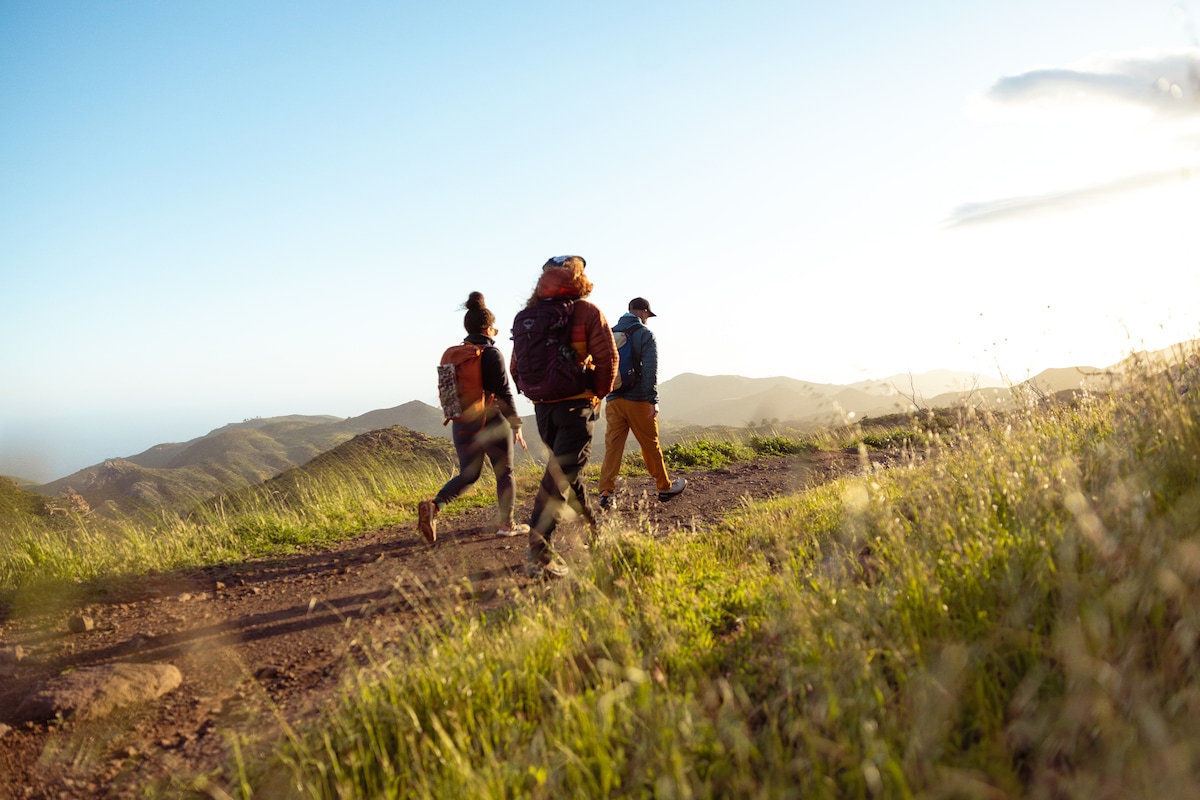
x,y
546,364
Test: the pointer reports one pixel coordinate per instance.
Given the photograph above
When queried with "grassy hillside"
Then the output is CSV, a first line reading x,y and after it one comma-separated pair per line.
x,y
211,465
162,455
18,505
1013,615
373,480
369,465
174,476
413,415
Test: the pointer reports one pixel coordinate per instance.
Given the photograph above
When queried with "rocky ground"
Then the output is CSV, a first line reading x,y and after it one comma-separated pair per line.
x,y
144,682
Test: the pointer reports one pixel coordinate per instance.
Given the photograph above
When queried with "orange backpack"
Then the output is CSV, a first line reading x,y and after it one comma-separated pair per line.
x,y
460,384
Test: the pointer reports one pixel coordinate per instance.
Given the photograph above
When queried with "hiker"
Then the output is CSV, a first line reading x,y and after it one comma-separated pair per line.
x,y
633,405
489,432
566,391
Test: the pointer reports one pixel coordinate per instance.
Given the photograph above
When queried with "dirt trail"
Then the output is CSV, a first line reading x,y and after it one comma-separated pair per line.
x,y
272,638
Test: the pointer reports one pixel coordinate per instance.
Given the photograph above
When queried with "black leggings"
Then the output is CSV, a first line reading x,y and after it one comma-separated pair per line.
x,y
493,441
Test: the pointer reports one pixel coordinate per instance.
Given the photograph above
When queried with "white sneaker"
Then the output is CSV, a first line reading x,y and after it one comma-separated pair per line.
x,y
547,565
677,486
514,530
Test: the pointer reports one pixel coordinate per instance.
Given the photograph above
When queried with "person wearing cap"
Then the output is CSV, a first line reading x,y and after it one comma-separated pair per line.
x,y
566,424
634,407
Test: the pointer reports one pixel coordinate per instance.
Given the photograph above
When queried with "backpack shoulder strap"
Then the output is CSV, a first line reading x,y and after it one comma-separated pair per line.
x,y
635,343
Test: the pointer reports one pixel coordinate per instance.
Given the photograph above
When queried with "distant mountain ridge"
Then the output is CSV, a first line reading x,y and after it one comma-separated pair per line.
x,y
176,454
733,400
174,475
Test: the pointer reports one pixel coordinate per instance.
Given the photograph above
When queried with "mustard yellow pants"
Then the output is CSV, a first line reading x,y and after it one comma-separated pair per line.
x,y
623,416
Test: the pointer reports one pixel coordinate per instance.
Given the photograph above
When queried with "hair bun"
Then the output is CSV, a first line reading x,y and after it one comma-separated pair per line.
x,y
475,301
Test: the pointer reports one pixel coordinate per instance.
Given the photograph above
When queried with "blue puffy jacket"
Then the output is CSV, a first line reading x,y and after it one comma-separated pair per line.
x,y
644,345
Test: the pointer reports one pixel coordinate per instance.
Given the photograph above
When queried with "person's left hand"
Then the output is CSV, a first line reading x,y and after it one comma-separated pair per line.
x,y
654,411
519,438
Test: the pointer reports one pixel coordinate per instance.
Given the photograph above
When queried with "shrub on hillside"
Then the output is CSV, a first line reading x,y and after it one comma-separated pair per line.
x,y
704,454
894,439
779,446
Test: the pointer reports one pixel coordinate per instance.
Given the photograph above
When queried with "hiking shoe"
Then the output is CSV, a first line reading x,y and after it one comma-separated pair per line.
x,y
427,511
511,529
556,568
546,565
606,501
677,487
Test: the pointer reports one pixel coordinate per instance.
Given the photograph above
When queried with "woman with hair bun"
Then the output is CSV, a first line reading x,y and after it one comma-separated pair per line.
x,y
492,437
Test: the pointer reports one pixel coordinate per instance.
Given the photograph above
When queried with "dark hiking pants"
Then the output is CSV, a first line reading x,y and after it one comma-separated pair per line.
x,y
566,429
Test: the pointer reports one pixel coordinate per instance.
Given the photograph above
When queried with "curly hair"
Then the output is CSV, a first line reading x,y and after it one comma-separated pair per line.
x,y
561,279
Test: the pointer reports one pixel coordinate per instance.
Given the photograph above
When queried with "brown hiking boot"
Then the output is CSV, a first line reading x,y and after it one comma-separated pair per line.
x,y
427,511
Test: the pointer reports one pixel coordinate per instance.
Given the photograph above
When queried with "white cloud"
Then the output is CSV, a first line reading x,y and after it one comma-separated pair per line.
x,y
1103,128
1165,82
1010,208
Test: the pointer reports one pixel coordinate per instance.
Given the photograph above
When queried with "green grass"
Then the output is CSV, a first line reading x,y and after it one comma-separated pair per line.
x,y
780,445
705,454
1015,615
370,482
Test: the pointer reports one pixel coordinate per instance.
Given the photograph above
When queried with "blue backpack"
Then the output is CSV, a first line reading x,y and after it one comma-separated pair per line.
x,y
629,367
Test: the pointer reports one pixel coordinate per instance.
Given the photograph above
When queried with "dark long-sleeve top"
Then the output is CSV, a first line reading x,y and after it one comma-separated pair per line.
x,y
495,379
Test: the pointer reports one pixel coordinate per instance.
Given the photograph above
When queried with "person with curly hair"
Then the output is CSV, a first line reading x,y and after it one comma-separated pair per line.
x,y
566,423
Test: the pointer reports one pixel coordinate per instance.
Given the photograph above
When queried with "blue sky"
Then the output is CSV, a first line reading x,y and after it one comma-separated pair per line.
x,y
214,211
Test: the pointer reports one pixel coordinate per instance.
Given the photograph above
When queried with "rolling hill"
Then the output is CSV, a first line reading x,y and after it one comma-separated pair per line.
x,y
176,475
731,400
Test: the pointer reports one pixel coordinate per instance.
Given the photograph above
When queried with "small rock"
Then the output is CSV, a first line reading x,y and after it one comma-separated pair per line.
x,y
14,654
94,692
220,586
80,624
185,597
4,730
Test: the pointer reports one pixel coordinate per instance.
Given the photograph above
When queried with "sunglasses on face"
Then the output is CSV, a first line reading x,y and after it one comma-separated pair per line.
x,y
564,259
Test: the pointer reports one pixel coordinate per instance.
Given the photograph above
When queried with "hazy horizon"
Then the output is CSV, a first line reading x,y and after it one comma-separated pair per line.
x,y
82,441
